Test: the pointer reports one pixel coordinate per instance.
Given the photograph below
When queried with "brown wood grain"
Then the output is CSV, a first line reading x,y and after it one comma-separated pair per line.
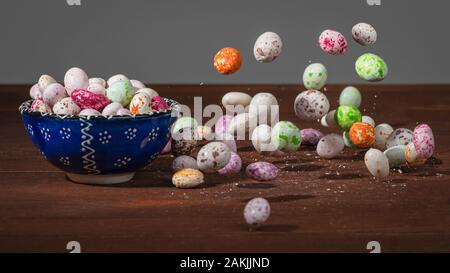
x,y
317,205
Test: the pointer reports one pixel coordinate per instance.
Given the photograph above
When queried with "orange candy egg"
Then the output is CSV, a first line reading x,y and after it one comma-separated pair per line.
x,y
362,134
227,61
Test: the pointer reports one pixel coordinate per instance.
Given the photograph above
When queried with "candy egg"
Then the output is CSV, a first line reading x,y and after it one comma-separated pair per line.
x,y
229,141
89,113
371,67
44,81
377,163
66,106
262,171
369,120
412,157
111,109
311,105
315,76
257,211
116,78
332,42
204,132
39,105
123,112
159,104
97,88
227,61
222,125
137,84
168,148
75,78
236,98
88,100
267,47
310,136
364,34
400,136
184,141
382,133
35,92
330,146
54,93
286,136
241,124
187,178
347,140
262,139
233,166
396,155
120,91
100,81
184,162
423,140
362,134
140,104
347,115
150,92
265,107
184,122
213,156
329,120
350,96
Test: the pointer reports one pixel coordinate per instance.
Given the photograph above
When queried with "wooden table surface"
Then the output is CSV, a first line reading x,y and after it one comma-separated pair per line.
x,y
317,205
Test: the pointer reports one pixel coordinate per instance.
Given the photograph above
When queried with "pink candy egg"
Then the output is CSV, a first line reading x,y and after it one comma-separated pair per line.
x,y
159,104
123,112
90,113
112,109
262,171
333,42
222,124
89,100
137,84
35,92
54,93
39,105
75,78
423,140
233,166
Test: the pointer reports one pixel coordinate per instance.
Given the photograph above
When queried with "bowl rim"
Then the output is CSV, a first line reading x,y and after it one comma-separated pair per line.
x,y
25,109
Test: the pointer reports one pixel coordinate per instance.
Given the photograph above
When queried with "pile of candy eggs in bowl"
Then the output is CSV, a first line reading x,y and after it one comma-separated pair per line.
x,y
97,131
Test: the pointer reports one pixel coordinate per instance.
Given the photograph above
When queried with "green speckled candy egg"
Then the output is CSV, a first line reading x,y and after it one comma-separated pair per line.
x,y
371,68
347,115
121,91
286,136
315,76
350,96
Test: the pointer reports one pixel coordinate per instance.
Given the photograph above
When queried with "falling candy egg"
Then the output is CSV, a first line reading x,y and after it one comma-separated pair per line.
x,y
310,136
233,166
330,146
227,61
184,162
66,106
396,155
332,42
371,68
188,178
257,211
89,100
377,163
364,34
362,134
350,96
140,104
347,115
382,133
286,136
116,78
412,157
262,171
315,76
265,106
120,91
262,139
400,136
75,78
311,105
236,98
44,81
112,109
267,47
54,93
35,92
423,140
213,157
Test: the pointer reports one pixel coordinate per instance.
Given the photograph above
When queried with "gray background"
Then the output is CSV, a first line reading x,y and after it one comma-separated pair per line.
x,y
175,41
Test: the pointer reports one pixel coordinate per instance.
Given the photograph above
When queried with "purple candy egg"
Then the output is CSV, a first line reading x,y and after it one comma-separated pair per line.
x,y
423,140
184,162
222,125
233,167
311,136
262,171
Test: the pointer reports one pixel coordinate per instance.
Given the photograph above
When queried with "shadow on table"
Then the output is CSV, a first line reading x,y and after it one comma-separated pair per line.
x,y
270,228
285,198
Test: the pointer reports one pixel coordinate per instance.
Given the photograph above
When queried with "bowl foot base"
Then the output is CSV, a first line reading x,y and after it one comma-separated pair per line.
x,y
105,179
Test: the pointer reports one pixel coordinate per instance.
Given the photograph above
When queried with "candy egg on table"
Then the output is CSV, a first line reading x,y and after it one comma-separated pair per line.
x,y
350,96
265,106
159,104
89,100
54,93
315,76
116,78
184,141
204,132
213,157
330,146
311,105
66,106
222,125
377,163
44,81
423,140
123,112
286,136
120,91
89,113
364,34
112,109
332,42
97,80
233,166
371,67
412,156
75,78
150,92
267,47
347,140
329,120
310,136
39,105
396,155
362,134
184,122
140,104
262,171
400,136
35,92
137,84
382,133
262,139
347,115
96,88
188,178
369,120
256,211
236,98
227,61
184,162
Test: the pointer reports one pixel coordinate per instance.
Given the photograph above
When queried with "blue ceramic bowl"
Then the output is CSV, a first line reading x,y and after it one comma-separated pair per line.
x,y
98,150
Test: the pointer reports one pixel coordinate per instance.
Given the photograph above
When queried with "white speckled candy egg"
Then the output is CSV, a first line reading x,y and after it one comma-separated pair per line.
x,y
213,156
44,81
184,162
233,166
350,96
137,84
54,93
311,105
236,98
364,34
97,80
371,67
112,109
121,92
188,178
267,47
400,136
315,76
265,107
141,104
89,113
150,92
332,42
96,88
310,136
66,106
286,136
75,78
423,140
116,78
377,163
35,92
262,139
257,211
369,120
330,146
382,133
396,155
262,171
